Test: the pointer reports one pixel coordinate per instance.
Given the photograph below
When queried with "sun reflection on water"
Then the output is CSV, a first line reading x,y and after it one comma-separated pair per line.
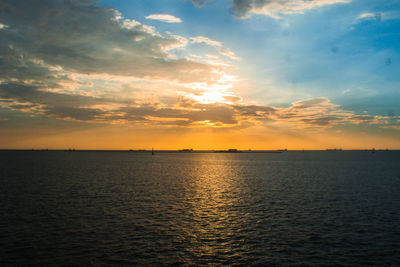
x,y
214,197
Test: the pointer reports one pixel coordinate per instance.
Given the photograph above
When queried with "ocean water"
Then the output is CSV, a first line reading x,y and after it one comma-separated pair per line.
x,y
123,208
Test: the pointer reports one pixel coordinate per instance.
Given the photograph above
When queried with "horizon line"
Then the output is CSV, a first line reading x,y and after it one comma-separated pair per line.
x,y
199,150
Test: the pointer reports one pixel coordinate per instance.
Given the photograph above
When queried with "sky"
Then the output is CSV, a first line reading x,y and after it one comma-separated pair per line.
x,y
211,74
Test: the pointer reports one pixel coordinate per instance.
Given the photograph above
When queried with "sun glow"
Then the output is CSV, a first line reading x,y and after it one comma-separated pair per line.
x,y
217,92
209,97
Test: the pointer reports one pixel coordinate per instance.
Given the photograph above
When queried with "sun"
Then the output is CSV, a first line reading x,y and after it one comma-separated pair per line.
x,y
219,91
209,97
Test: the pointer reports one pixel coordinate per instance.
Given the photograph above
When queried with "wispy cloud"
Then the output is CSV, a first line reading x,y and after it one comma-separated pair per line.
x,y
274,8
378,16
228,53
164,18
369,15
223,51
205,40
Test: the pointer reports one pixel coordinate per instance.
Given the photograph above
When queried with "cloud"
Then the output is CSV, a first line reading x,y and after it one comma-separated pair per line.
x,y
369,15
87,63
205,40
274,8
228,53
76,64
377,16
319,112
31,100
164,18
223,51
87,38
175,111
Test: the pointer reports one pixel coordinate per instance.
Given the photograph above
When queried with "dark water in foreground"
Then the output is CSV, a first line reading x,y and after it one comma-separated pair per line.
x,y
294,208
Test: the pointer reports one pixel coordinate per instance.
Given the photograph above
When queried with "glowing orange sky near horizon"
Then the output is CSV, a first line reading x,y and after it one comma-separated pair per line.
x,y
116,137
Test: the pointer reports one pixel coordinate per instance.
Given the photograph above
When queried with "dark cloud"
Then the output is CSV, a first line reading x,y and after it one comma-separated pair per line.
x,y
323,121
81,2
214,113
80,114
242,7
32,94
77,107
255,111
47,42
16,65
86,38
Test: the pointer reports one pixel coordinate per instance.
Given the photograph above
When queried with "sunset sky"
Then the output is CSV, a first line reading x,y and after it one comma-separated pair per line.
x,y
217,74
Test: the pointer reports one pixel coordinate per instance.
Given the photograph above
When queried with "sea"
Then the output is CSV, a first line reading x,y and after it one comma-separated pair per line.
x,y
311,208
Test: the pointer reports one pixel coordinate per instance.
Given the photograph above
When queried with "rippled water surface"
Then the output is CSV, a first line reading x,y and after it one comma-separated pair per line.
x,y
293,208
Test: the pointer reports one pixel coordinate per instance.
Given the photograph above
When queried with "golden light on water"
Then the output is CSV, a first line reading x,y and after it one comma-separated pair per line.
x,y
213,197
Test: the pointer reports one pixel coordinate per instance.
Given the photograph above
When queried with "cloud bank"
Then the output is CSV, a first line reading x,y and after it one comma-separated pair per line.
x,y
91,39
87,63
